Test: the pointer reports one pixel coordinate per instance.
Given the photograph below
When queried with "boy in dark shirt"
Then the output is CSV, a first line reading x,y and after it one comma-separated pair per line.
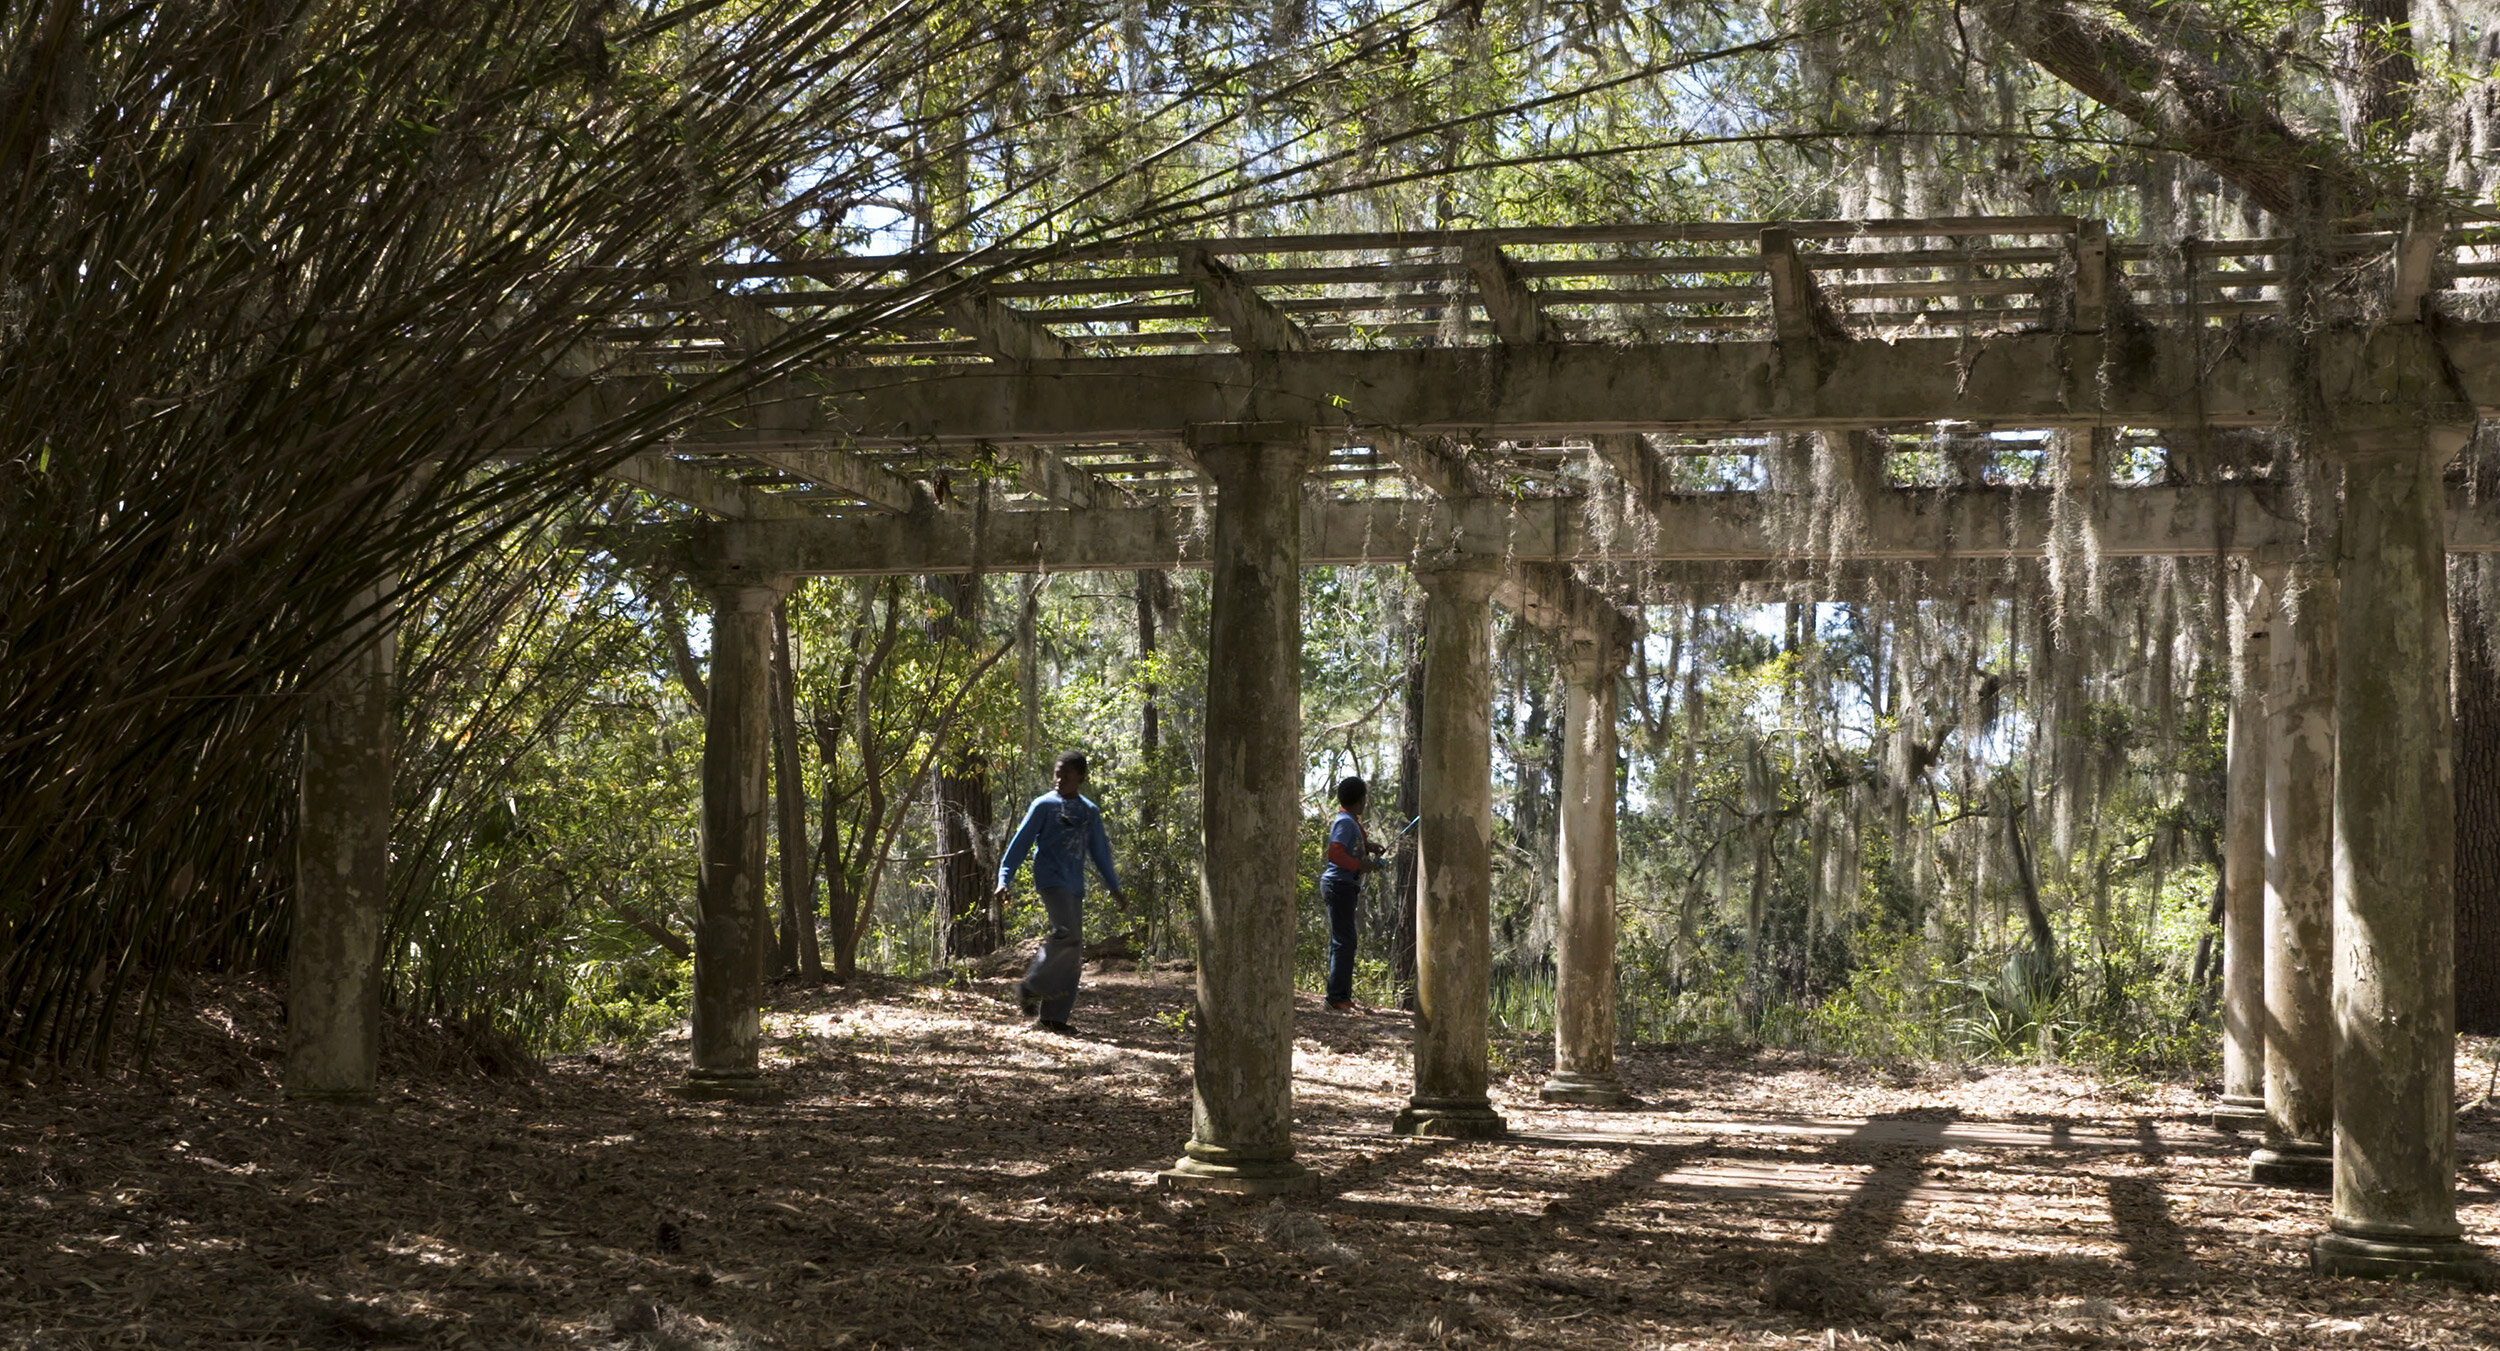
x,y
1062,830
1350,855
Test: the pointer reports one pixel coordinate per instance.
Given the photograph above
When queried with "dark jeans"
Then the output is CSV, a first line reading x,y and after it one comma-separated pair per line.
x,y
1056,967
1341,899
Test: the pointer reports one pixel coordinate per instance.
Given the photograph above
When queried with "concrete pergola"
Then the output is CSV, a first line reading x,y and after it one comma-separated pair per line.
x,y
1501,412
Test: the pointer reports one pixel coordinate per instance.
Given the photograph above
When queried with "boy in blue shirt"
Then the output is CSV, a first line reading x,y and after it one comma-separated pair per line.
x,y
1061,830
1350,855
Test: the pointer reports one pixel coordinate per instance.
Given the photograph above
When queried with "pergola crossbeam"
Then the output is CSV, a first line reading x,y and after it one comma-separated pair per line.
x,y
1907,526
1005,333
1509,301
2029,381
1256,324
703,490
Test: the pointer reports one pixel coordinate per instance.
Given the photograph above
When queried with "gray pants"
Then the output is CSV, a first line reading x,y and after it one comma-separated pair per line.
x,y
1056,967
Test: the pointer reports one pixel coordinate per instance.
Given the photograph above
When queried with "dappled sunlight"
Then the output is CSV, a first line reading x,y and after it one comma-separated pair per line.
x,y
937,1175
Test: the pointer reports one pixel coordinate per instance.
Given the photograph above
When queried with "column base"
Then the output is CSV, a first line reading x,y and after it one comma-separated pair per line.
x,y
2292,1163
2239,1112
1450,1119
1213,1168
2336,1254
1584,1090
700,1086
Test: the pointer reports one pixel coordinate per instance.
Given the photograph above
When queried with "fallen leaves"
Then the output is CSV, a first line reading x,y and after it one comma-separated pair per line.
x,y
934,1180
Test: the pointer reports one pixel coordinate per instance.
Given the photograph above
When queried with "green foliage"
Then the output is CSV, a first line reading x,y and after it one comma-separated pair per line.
x,y
623,1002
547,803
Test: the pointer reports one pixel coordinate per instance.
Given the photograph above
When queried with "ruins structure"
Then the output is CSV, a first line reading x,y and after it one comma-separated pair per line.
x,y
1501,411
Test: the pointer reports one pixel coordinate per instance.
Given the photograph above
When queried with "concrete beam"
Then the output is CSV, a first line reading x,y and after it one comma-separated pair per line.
x,y
756,329
1558,390
1041,472
1508,299
1005,333
1920,526
880,488
1549,597
2022,380
2089,247
1800,312
705,491
1256,323
1432,469
1634,461
1546,595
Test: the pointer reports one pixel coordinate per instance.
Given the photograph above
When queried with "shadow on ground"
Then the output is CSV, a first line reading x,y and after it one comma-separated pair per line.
x,y
938,1176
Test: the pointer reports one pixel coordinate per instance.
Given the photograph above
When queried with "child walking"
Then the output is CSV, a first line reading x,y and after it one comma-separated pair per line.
x,y
1063,831
1350,855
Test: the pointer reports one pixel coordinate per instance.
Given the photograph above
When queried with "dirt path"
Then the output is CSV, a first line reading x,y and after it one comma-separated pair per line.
x,y
940,1177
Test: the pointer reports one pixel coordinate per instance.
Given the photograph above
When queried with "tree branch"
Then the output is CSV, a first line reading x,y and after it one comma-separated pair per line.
x,y
2222,122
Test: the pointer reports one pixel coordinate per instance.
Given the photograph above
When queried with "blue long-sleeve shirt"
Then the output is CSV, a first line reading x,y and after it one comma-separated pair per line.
x,y
1060,832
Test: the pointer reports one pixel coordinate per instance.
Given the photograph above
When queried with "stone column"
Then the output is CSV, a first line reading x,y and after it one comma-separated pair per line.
x,y
2300,856
1241,1100
1584,955
2395,1205
2243,1104
733,919
342,868
1454,887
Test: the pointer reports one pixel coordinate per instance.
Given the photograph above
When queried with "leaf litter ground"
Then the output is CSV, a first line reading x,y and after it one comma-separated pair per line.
x,y
938,1176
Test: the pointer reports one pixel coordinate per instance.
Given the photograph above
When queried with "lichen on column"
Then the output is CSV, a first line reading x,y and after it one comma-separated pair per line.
x,y
1241,1098
733,921
1454,890
1584,953
2300,836
2243,1102
2394,1212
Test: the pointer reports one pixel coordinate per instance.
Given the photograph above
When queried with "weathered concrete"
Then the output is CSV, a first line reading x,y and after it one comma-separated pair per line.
x,y
1584,953
1906,526
1526,390
733,919
342,871
2299,908
2243,1103
1454,886
2394,1211
718,494
1241,1099
1552,597
1536,390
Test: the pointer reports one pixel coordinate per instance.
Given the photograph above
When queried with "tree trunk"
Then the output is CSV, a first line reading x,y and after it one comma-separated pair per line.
x,y
2478,804
1410,805
1145,889
797,950
680,651
960,796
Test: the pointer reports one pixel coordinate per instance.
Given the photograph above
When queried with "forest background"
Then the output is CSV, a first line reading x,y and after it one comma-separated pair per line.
x,y
264,256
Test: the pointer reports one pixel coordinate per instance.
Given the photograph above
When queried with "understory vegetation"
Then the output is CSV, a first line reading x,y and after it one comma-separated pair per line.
x,y
1837,819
